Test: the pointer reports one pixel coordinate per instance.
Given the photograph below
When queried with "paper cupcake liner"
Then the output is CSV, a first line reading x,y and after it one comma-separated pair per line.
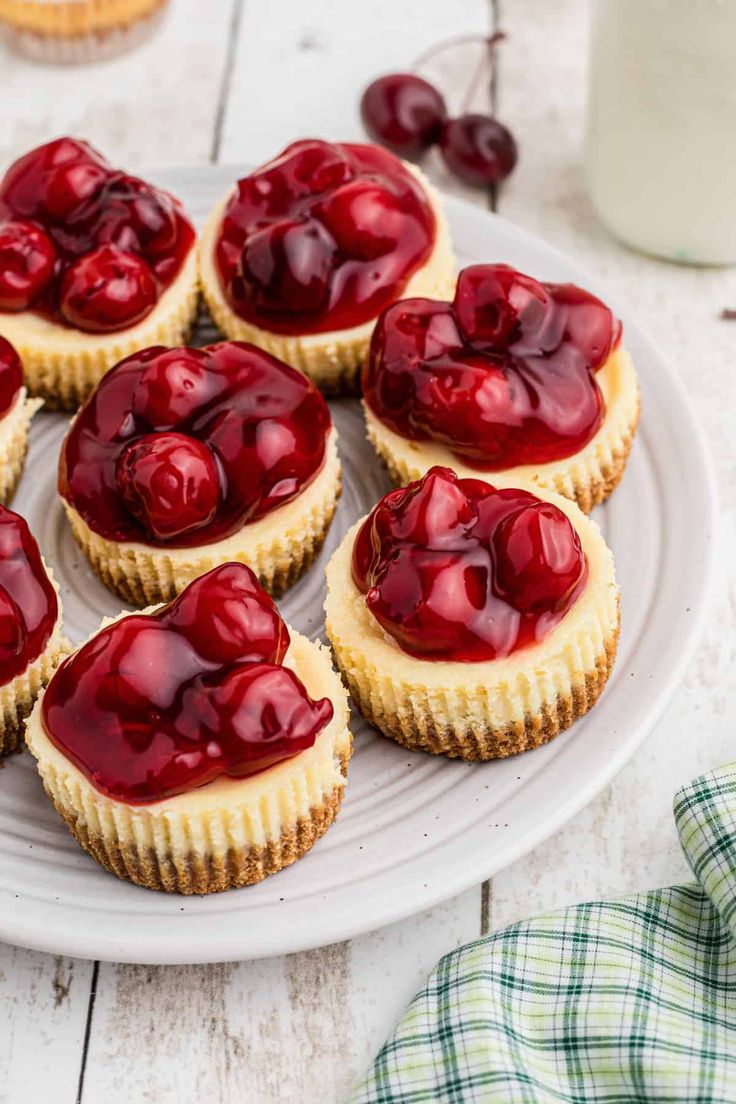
x,y
432,720
154,864
492,708
332,360
63,366
14,430
73,33
279,552
18,696
242,832
587,478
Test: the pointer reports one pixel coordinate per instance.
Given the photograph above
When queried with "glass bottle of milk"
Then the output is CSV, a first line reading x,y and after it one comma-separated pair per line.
x,y
661,133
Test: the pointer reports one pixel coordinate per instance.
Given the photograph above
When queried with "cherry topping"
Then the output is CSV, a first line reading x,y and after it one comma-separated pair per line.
x,y
170,483
504,375
11,376
404,112
107,290
60,205
161,704
454,569
27,259
174,385
185,446
322,237
478,149
28,603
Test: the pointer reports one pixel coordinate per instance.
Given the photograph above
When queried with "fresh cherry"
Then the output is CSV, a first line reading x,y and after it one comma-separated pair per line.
x,y
456,570
27,260
173,387
11,376
170,483
403,112
107,290
478,149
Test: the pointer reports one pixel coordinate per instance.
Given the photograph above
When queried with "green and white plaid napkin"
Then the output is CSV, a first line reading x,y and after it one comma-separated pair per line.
x,y
630,1000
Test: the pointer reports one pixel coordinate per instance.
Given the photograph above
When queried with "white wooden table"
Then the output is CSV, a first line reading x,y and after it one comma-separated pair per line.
x,y
233,81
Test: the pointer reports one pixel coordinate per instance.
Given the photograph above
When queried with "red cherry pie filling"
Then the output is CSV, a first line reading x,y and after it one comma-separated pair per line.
x,y
187,457
30,616
514,377
16,413
309,248
86,251
188,715
471,620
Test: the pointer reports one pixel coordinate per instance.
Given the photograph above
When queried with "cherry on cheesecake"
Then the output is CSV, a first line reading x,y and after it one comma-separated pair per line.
x,y
504,375
202,694
84,244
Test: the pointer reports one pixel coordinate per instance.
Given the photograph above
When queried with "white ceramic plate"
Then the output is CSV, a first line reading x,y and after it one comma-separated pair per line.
x,y
414,829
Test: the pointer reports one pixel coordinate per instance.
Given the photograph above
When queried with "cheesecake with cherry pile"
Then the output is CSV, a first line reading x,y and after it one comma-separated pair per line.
x,y
514,381
94,264
183,459
199,746
473,621
16,412
302,256
31,639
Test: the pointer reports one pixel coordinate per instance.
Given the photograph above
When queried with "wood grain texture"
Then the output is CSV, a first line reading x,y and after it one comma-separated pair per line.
x,y
239,82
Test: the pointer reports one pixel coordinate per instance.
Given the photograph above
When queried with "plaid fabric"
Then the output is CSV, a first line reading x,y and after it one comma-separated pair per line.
x,y
631,1000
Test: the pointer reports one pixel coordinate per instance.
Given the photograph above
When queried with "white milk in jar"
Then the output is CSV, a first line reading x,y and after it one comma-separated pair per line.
x,y
661,134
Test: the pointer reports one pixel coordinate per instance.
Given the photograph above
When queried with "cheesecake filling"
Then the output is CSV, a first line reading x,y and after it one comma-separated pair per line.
x,y
161,704
504,375
322,238
181,448
456,570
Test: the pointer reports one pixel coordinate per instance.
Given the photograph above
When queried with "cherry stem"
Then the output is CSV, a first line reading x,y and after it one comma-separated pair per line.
x,y
487,59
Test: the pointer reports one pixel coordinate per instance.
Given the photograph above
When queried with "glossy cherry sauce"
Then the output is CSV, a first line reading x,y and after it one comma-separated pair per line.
x,y
85,244
11,376
503,375
159,704
322,238
454,569
185,446
28,603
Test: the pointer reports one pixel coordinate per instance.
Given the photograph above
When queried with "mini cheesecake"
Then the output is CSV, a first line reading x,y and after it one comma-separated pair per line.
x,y
16,412
470,621
513,381
183,459
31,639
94,264
199,746
304,254
68,32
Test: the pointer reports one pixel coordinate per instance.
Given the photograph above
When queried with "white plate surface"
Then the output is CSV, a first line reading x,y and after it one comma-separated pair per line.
x,y
414,829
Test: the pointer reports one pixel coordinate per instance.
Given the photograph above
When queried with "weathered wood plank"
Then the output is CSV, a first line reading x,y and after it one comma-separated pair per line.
x,y
157,105
43,1013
